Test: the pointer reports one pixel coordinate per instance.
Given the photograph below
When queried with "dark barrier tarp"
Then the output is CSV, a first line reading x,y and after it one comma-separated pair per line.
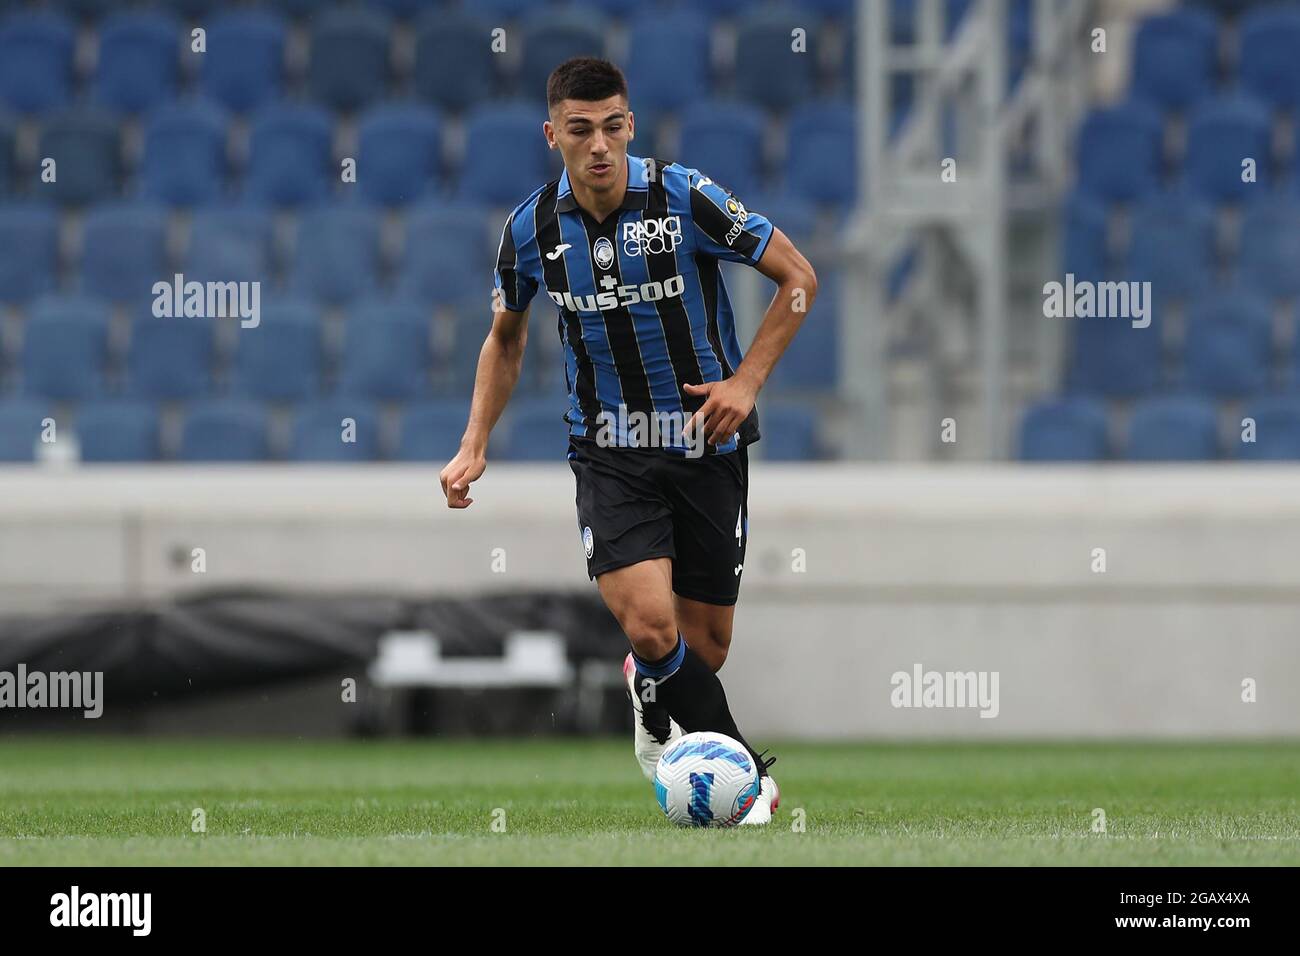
x,y
231,640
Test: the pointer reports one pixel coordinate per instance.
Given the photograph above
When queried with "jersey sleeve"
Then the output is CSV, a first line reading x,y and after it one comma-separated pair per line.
x,y
724,228
515,275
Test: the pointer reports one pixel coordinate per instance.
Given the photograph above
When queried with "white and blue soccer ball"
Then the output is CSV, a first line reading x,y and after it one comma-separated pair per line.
x,y
706,780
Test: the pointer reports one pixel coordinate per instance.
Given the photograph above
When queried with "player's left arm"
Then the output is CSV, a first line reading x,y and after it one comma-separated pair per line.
x,y
729,402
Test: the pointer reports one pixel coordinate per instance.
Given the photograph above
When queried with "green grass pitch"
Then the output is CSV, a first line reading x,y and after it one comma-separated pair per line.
x,y
114,801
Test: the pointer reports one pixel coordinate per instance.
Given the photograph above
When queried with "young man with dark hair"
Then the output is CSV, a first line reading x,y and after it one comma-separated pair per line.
x,y
661,399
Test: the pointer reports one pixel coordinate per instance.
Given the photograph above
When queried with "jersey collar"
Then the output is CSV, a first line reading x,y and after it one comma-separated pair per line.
x,y
638,188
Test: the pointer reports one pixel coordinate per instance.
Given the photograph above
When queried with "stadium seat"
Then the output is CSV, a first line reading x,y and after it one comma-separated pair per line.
x,y
1267,63
811,361
29,236
1277,429
341,429
504,8
124,251
349,65
789,432
821,155
1118,153
138,62
835,9
338,256
1228,345
398,153
289,155
1110,357
724,141
446,254
454,63
280,360
793,215
401,9
1173,429
224,430
1174,58
431,431
1084,246
1065,429
170,358
8,139
535,431
192,9
1221,133
668,61
505,154
386,353
552,35
1268,258
64,356
768,71
36,51
243,67
20,428
229,244
86,149
184,154
119,431
1172,246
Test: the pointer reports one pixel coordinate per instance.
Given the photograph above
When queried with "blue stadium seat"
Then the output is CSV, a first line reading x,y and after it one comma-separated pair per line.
x,y
821,156
552,35
64,356
1084,246
86,9
8,139
810,363
1268,258
36,50
789,432
398,152
64,306
1178,428
226,430
319,432
431,431
229,244
1065,429
768,71
1228,345
668,61
506,156
124,251
835,9
1111,357
793,215
20,428
192,9
1267,64
1277,429
471,328
184,154
1174,58
338,255
289,155
1118,153
454,63
401,9
724,141
118,431
29,236
386,353
446,254
244,65
1221,133
86,148
1172,246
280,360
170,358
509,9
349,65
535,431
139,60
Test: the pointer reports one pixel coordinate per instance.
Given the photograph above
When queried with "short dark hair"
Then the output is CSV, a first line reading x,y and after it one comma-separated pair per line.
x,y
584,78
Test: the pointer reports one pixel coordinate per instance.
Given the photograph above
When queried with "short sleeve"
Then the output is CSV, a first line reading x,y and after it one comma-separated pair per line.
x,y
724,228
513,277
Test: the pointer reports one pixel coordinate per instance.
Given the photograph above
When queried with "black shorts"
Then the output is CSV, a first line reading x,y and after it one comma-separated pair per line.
x,y
635,504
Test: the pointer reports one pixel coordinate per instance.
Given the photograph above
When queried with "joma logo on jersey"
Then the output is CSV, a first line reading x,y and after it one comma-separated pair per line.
x,y
650,236
615,297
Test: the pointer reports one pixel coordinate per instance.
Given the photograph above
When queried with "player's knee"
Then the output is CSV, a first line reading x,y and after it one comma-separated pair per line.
x,y
653,634
712,650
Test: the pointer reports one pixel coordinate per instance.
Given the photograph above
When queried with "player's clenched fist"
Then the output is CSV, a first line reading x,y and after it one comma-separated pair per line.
x,y
467,466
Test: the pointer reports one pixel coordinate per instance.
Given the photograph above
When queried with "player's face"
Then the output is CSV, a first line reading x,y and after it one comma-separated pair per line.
x,y
592,137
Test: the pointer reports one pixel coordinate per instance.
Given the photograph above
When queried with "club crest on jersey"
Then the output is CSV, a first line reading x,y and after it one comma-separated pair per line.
x,y
603,252
652,236
588,542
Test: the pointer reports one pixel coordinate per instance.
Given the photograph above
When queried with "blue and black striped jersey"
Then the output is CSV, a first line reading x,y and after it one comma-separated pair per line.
x,y
643,309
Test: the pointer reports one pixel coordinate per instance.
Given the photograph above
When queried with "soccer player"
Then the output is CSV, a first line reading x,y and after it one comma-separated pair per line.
x,y
661,400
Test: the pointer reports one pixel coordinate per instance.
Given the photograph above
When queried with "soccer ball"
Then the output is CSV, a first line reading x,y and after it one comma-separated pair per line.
x,y
706,780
